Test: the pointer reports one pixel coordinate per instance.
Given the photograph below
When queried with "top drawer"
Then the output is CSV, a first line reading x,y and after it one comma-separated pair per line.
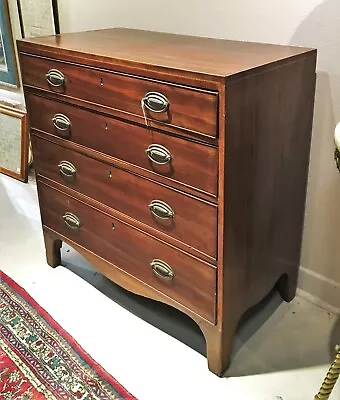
x,y
164,104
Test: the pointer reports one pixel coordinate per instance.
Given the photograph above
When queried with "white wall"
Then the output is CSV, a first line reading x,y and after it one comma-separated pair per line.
x,y
313,23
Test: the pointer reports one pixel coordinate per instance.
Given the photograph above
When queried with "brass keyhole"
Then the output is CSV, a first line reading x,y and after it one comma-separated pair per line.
x,y
113,227
110,174
106,126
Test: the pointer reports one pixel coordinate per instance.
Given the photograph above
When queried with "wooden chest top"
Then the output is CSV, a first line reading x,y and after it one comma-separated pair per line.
x,y
215,59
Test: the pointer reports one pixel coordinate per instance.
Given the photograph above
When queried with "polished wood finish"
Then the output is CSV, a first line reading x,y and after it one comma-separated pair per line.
x,y
192,164
163,54
125,218
53,248
266,164
113,240
194,220
131,283
121,277
248,226
190,109
267,179
135,119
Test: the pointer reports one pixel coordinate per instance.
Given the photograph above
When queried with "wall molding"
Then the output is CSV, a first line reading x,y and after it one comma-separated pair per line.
x,y
318,289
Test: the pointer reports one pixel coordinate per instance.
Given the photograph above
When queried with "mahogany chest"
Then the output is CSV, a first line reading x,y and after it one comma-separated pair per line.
x,y
176,165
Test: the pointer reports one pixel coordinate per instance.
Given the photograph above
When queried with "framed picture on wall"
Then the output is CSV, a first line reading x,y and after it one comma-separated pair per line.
x,y
8,68
14,143
38,17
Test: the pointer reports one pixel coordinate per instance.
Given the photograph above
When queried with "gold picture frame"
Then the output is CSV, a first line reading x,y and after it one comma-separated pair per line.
x,y
14,143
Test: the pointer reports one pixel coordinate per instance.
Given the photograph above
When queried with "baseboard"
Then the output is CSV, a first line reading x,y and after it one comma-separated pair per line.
x,y
319,290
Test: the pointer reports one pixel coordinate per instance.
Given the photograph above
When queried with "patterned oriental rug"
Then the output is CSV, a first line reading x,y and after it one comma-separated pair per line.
x,y
39,360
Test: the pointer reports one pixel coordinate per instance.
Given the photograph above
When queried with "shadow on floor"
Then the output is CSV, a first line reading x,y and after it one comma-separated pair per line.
x,y
273,336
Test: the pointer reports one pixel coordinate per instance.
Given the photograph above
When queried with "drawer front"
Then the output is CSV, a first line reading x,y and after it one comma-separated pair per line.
x,y
181,216
187,108
181,160
174,273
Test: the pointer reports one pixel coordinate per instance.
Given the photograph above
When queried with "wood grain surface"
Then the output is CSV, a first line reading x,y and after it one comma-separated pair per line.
x,y
191,109
192,163
163,51
239,132
133,251
194,221
267,144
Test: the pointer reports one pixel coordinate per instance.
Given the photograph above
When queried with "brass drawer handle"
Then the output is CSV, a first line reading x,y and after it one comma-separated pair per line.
x,y
161,210
162,269
62,123
72,221
155,102
55,78
158,154
67,170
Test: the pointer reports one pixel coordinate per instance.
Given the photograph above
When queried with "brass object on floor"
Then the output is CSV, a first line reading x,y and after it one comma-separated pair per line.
x,y
331,379
337,145
337,158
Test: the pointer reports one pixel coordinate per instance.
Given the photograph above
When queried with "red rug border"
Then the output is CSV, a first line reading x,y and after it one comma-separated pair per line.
x,y
82,353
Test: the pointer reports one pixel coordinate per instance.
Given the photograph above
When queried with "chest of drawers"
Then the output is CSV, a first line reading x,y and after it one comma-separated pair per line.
x,y
176,165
